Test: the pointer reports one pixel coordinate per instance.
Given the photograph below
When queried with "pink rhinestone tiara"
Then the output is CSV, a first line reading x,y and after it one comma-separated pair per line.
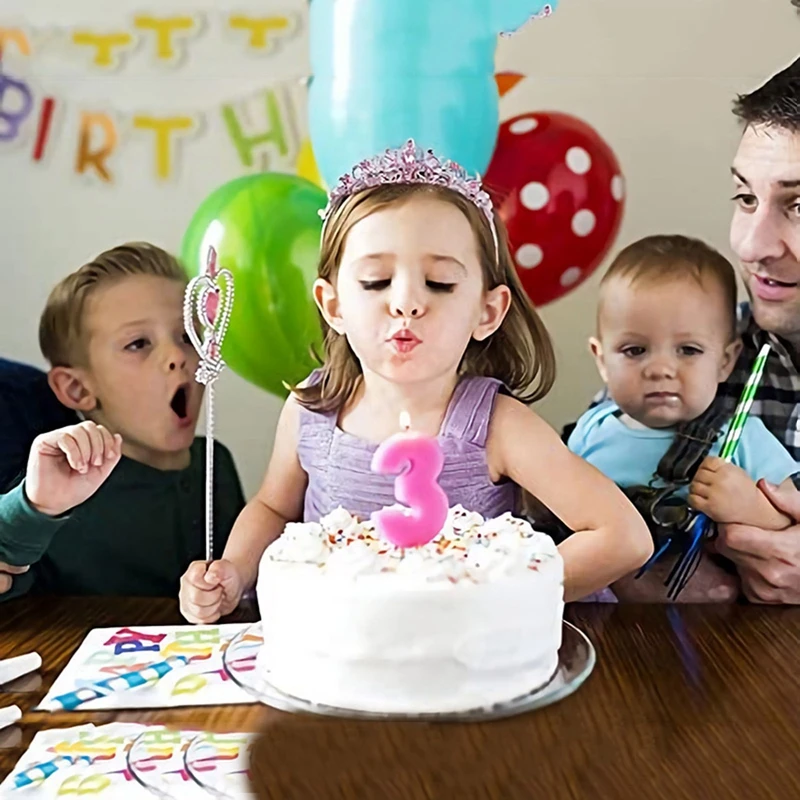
x,y
411,164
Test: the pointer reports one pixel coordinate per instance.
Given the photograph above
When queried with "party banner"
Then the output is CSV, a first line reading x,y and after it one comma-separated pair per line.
x,y
121,761
164,40
261,127
179,665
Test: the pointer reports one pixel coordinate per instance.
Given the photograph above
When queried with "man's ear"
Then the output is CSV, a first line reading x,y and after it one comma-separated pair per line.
x,y
731,356
328,303
597,351
71,388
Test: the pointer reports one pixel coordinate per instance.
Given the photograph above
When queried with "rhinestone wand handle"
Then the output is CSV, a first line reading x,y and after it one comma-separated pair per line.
x,y
207,306
210,473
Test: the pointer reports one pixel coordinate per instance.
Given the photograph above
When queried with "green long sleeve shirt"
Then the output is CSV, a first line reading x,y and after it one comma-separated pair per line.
x,y
135,536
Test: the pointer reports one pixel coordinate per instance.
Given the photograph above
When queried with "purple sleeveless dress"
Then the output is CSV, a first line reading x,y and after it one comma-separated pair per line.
x,y
339,474
338,463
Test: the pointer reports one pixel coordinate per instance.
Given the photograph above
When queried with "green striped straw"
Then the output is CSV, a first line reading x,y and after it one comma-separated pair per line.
x,y
745,402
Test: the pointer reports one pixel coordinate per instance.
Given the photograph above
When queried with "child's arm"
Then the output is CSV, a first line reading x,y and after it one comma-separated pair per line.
x,y
8,573
727,494
206,595
279,500
610,538
65,468
24,537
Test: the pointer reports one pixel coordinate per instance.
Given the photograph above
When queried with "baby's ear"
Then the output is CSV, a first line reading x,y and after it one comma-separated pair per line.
x,y
71,388
729,359
596,349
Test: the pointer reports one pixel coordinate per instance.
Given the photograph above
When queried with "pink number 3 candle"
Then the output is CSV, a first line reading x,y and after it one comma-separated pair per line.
x,y
417,461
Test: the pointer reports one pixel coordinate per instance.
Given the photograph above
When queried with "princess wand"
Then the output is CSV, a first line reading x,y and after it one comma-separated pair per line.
x,y
207,305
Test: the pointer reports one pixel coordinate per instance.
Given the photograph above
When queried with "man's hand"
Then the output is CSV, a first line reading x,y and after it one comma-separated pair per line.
x,y
6,575
768,561
67,466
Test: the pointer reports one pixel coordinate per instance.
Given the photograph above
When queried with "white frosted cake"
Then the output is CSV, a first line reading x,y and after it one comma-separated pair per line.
x,y
471,619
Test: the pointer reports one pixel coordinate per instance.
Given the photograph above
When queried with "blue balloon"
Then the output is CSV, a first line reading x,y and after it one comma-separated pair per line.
x,y
384,71
512,14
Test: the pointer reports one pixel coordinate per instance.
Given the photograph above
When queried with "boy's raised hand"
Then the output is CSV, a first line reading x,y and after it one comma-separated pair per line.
x,y
67,466
208,594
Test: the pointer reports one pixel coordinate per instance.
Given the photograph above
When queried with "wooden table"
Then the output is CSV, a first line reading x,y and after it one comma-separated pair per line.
x,y
685,702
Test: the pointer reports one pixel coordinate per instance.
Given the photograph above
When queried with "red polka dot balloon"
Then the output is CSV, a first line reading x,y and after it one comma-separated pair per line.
x,y
558,187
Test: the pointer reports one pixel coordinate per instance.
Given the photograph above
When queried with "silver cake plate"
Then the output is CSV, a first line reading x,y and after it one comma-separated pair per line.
x,y
576,660
189,765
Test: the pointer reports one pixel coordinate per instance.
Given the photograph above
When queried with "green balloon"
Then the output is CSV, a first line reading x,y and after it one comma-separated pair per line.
x,y
266,229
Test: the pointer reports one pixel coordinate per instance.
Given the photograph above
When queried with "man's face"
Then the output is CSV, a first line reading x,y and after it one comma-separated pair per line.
x,y
765,230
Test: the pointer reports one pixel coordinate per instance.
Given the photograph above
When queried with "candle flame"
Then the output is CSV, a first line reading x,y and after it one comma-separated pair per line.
x,y
405,420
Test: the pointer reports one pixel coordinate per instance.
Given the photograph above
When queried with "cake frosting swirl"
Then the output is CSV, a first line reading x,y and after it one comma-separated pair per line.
x,y
467,548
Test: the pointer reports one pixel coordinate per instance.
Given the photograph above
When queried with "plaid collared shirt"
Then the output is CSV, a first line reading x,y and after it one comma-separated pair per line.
x,y
777,401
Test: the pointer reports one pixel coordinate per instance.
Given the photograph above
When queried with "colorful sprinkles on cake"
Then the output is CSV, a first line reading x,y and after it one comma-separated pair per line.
x,y
468,547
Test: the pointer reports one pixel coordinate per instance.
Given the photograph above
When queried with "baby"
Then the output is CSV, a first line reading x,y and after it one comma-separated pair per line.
x,y
666,338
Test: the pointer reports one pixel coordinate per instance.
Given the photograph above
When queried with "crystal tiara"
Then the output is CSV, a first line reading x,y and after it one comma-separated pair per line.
x,y
411,164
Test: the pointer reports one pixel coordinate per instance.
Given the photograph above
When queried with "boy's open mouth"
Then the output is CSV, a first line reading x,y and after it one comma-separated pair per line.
x,y
180,401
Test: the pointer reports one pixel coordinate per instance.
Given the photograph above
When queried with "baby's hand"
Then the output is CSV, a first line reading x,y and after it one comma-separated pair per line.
x,y
67,466
208,594
724,492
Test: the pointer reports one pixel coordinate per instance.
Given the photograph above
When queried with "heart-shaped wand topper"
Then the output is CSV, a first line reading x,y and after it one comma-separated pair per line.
x,y
207,308
209,300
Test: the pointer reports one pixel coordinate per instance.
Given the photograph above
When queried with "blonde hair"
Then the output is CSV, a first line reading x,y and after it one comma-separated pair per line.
x,y
520,353
62,337
668,258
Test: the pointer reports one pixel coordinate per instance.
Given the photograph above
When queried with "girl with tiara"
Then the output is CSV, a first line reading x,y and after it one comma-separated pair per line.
x,y
423,313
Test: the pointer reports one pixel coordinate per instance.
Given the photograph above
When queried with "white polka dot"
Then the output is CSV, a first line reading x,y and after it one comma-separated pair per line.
x,y
583,222
618,187
578,160
570,276
524,125
529,256
534,196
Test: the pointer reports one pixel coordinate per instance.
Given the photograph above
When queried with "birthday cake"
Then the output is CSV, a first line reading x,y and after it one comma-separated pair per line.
x,y
468,620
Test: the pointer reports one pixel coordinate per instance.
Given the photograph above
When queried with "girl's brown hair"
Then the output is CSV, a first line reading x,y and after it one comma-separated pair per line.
x,y
519,353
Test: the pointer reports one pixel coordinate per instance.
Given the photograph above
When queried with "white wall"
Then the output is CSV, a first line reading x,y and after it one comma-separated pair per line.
x,y
656,79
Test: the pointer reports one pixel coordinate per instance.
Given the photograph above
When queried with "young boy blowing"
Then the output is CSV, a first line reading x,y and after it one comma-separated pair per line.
x,y
115,504
666,338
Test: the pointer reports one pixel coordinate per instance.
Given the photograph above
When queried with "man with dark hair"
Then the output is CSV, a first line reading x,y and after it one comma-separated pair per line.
x,y
765,236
